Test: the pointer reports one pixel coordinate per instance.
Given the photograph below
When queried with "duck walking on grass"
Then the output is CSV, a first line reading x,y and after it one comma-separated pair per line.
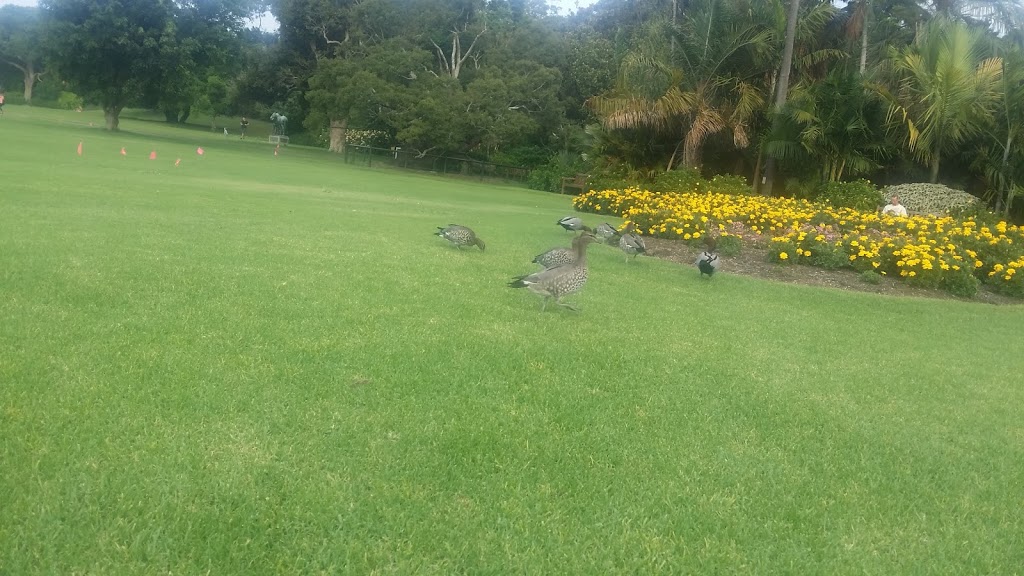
x,y
707,262
557,257
554,283
573,224
630,243
459,236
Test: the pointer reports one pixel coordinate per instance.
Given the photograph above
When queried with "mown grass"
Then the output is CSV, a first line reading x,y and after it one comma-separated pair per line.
x,y
255,365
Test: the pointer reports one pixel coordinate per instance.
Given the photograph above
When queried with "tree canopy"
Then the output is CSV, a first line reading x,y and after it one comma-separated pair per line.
x,y
895,90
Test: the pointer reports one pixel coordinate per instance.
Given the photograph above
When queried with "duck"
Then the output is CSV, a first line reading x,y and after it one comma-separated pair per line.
x,y
573,224
460,236
606,233
630,243
707,261
556,256
554,283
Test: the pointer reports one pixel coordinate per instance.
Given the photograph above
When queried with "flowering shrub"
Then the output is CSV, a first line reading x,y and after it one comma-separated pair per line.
x,y
928,198
935,252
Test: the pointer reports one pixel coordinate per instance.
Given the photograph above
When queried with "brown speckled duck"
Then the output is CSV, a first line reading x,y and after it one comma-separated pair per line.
x,y
554,283
459,236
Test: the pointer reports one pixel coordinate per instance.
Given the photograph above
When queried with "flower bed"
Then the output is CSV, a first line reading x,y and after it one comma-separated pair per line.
x,y
937,252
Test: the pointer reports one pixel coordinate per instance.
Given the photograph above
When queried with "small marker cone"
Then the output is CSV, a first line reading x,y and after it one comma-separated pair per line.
x,y
200,151
178,161
123,152
152,155
79,148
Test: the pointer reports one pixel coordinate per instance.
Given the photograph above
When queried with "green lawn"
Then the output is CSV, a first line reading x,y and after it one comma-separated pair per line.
x,y
258,365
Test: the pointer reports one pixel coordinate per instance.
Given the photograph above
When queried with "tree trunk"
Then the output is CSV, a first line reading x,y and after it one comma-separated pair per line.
x,y
111,113
757,171
787,55
782,89
185,113
1006,182
339,129
30,80
864,36
935,169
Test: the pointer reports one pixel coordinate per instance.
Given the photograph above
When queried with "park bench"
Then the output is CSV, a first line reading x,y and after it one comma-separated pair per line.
x,y
578,182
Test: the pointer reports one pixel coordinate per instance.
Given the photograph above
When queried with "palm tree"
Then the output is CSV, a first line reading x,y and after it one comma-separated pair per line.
x,y
1002,161
782,88
832,125
708,84
944,90
1000,15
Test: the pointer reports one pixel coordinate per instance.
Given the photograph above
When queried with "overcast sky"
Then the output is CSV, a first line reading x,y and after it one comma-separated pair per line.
x,y
269,23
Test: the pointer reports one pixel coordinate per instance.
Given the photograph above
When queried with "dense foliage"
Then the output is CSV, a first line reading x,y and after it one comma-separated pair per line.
x,y
895,91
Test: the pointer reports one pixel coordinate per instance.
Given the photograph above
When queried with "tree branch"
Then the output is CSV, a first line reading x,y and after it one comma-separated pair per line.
x,y
441,58
323,31
16,65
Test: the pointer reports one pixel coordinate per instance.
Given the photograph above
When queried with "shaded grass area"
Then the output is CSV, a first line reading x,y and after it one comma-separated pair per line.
x,y
252,364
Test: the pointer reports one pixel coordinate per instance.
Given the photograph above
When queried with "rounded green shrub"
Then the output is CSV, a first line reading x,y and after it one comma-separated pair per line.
x,y
859,195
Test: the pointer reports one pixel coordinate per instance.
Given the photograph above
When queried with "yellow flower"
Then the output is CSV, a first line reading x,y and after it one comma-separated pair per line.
x,y
783,256
807,252
875,264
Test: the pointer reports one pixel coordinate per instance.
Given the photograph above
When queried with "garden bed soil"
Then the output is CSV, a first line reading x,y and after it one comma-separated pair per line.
x,y
753,261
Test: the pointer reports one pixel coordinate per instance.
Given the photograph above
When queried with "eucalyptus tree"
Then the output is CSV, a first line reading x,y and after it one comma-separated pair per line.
x,y
206,40
21,44
944,89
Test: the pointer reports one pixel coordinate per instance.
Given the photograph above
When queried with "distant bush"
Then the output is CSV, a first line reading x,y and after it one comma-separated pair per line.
x,y
684,180
859,195
729,184
69,101
548,177
934,199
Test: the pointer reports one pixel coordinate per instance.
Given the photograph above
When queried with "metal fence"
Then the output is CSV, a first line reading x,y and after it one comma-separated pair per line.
x,y
398,158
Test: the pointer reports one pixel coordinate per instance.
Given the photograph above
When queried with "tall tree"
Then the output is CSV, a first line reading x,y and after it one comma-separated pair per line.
x,y
109,50
782,86
834,125
944,91
1001,158
702,88
999,15
21,43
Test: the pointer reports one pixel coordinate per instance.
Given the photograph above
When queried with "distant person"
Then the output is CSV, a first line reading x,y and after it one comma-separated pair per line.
x,y
2,97
243,125
894,208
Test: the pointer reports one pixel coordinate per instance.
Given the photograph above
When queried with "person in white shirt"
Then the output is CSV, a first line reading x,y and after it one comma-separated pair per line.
x,y
894,208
